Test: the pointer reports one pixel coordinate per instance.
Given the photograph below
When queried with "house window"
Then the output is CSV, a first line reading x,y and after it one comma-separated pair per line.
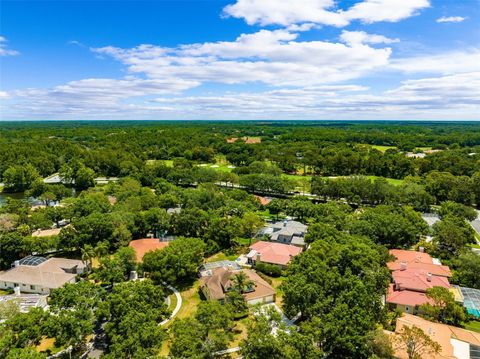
x,y
407,308
15,284
32,287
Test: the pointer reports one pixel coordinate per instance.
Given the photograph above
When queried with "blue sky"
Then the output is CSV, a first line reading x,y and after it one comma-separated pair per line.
x,y
240,59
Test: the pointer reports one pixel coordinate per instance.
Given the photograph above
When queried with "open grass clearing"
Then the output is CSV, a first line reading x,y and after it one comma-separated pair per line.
x,y
221,256
168,163
383,148
474,326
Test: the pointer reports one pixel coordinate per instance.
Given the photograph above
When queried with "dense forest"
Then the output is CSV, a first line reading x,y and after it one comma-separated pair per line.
x,y
361,187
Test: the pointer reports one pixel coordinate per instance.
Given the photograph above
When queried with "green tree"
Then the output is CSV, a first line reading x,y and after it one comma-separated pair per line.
x,y
416,343
459,210
467,270
19,178
337,288
117,267
202,336
444,308
133,311
451,235
262,342
177,262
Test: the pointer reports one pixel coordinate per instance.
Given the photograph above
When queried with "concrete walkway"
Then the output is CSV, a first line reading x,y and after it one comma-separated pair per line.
x,y
177,307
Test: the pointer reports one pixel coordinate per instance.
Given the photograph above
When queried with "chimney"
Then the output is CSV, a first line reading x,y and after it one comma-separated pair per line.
x,y
403,265
421,249
133,275
429,277
285,223
259,258
16,290
16,264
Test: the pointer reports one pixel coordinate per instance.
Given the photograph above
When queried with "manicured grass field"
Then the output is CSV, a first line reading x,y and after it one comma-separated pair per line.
x,y
382,148
395,182
474,326
220,167
168,163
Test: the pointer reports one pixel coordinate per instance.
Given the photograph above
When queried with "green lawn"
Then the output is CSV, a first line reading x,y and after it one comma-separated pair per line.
x,y
168,163
474,326
395,182
382,148
302,183
220,167
477,246
220,256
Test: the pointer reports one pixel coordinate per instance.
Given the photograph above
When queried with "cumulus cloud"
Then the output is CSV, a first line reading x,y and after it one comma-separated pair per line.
x,y
451,19
287,12
361,37
456,96
272,57
444,63
4,51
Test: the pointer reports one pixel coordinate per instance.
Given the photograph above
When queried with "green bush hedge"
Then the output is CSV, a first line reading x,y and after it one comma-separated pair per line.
x,y
269,269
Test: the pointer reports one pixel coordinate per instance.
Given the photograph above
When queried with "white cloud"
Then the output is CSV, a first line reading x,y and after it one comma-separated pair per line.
x,y
287,12
445,97
4,51
444,63
269,57
361,37
370,11
451,19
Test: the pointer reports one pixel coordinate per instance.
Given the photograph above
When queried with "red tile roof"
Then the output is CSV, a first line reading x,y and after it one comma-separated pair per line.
x,y
275,253
142,246
417,280
417,261
263,200
406,297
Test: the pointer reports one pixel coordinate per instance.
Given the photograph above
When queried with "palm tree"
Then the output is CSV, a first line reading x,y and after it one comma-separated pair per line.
x,y
241,282
88,253
101,249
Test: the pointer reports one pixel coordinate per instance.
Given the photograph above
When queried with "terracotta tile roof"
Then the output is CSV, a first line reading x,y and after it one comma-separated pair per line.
x,y
418,261
263,200
142,246
220,279
440,333
275,253
406,297
411,256
417,280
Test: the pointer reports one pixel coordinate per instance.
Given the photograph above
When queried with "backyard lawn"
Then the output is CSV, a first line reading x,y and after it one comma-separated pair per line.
x,y
383,148
474,326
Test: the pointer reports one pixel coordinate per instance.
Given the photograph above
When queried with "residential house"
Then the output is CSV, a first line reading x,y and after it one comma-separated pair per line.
x,y
454,342
287,232
25,301
41,275
413,274
217,285
145,245
207,269
272,253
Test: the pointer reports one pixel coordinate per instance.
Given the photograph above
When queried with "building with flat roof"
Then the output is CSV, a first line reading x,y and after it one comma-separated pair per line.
x,y
41,275
25,301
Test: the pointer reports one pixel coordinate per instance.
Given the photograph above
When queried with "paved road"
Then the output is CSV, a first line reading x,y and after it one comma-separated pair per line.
x,y
177,307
